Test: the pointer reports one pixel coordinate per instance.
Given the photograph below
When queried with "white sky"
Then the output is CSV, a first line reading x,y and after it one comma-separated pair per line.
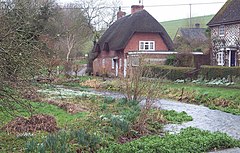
x,y
166,13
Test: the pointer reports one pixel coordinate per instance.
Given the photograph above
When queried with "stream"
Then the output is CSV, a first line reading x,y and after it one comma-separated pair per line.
x,y
203,117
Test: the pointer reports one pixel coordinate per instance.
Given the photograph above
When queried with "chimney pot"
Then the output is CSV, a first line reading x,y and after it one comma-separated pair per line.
x,y
136,8
120,13
197,25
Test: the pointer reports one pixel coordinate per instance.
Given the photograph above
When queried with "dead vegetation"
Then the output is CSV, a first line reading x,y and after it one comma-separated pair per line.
x,y
38,122
68,107
92,84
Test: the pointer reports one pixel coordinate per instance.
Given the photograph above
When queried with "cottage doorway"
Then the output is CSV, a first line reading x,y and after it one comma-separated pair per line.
x,y
232,58
116,66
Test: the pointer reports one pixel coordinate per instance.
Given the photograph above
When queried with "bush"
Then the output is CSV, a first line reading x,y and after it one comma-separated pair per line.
x,y
169,72
171,60
214,72
189,140
185,59
65,142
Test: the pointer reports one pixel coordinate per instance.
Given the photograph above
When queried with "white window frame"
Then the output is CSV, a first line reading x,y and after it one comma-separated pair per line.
x,y
113,64
220,58
221,30
103,62
147,45
120,63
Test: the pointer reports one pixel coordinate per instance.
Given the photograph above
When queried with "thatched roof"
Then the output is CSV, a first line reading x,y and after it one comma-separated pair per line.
x,y
192,34
228,14
120,32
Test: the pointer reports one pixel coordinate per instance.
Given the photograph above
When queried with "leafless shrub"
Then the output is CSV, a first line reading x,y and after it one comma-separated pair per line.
x,y
141,86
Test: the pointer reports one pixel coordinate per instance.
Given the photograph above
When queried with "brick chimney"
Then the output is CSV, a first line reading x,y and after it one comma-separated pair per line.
x,y
120,13
136,8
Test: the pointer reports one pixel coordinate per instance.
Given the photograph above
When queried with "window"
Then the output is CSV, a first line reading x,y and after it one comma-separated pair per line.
x,y
221,31
220,58
146,45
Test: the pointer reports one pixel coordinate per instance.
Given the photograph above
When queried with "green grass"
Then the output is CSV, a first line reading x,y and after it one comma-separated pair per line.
x,y
221,98
189,140
108,120
175,117
215,92
63,118
11,143
120,116
172,26
226,99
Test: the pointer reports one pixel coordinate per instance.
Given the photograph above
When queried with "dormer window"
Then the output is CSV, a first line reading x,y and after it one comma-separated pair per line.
x,y
146,45
221,30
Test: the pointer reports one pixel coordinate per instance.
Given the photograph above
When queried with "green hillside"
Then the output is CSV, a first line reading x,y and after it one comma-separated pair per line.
x,y
172,26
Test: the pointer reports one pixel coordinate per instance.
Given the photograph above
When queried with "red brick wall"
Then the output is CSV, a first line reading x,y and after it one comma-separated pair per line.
x,y
133,44
99,68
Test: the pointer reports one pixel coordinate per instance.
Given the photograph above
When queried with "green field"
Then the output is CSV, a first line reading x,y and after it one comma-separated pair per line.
x,y
172,26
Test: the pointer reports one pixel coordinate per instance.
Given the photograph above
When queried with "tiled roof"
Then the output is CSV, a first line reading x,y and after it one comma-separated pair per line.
x,y
193,34
229,13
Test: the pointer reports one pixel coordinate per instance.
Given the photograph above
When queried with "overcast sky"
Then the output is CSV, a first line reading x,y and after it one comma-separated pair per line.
x,y
166,13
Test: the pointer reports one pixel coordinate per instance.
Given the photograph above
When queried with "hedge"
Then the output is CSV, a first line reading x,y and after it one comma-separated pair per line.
x,y
207,72
168,72
214,72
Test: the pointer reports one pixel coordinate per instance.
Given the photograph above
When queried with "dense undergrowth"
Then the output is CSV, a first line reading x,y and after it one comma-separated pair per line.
x,y
106,121
112,125
188,140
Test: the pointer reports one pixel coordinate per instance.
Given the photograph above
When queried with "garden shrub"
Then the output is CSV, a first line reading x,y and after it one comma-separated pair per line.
x,y
185,60
171,60
169,72
60,142
109,100
174,117
214,72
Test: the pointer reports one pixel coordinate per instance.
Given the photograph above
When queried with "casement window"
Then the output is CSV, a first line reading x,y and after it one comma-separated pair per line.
x,y
221,31
146,45
220,58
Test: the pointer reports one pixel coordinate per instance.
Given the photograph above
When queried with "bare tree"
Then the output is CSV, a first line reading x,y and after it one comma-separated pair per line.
x,y
141,86
21,51
100,15
73,30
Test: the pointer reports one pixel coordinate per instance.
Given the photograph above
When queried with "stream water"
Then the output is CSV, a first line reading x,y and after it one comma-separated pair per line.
x,y
203,117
